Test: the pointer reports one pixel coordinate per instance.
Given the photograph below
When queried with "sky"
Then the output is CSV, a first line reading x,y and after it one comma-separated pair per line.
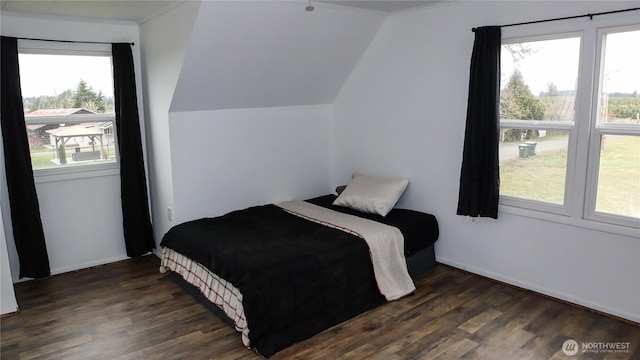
x,y
557,61
622,62
53,74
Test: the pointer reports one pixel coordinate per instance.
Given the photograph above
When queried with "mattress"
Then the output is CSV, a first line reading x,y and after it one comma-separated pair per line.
x,y
420,229
330,296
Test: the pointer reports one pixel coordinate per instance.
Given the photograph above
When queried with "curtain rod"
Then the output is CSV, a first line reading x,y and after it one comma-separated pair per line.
x,y
590,16
72,41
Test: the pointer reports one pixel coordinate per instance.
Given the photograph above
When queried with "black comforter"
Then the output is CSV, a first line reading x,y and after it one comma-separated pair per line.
x,y
297,277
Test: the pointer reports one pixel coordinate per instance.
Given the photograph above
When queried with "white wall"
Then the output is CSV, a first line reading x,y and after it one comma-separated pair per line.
x,y
230,159
247,123
8,301
82,219
163,43
402,113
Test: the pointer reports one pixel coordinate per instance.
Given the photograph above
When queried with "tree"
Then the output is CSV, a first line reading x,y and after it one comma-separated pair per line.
x,y
558,105
65,99
518,51
62,155
624,107
517,102
85,97
552,89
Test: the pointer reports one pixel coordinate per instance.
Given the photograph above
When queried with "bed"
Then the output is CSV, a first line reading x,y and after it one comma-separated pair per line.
x,y
281,273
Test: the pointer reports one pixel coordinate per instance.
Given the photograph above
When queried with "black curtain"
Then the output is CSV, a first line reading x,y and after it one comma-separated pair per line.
x,y
25,210
138,234
480,176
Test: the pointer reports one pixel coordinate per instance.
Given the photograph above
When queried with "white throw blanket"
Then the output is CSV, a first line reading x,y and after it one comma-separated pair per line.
x,y
386,245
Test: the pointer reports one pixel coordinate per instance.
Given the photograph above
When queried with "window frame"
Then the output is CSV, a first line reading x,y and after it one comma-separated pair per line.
x,y
570,127
580,185
87,170
599,129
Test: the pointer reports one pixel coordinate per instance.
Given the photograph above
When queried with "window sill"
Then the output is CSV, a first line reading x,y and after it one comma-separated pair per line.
x,y
570,221
53,175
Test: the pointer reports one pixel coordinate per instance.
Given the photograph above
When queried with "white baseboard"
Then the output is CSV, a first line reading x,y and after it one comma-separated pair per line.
x,y
62,270
541,290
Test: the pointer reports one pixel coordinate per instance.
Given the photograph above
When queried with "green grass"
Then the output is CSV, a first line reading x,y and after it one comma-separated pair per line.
x,y
619,180
42,159
542,177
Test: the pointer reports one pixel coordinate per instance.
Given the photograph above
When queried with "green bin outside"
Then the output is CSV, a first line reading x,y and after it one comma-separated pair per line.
x,y
532,147
523,150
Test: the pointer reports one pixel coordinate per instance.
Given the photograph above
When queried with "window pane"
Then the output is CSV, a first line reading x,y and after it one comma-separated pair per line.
x,y
533,164
619,176
538,80
72,143
620,79
69,109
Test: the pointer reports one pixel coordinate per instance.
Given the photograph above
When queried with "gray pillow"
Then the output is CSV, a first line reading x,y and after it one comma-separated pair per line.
x,y
371,195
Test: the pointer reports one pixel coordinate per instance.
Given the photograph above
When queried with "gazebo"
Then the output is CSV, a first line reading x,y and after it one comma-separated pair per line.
x,y
62,135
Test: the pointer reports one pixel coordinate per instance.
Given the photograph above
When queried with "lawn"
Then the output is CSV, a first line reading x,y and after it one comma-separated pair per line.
x,y
42,159
542,177
619,180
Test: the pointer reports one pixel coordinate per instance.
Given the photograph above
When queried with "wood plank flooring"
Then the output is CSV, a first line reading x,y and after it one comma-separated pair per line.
x,y
128,310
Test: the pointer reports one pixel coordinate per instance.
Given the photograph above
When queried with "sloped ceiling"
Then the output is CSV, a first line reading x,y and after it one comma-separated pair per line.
x,y
253,54
382,5
138,11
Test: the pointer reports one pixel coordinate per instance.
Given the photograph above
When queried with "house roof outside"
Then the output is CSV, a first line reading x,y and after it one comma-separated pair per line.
x,y
58,112
94,128
101,124
35,127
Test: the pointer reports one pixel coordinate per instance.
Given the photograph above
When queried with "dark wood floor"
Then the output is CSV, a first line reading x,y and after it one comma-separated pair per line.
x,y
128,310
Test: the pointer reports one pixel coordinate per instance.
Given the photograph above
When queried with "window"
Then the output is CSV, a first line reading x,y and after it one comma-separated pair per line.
x,y
569,134
615,166
537,111
69,108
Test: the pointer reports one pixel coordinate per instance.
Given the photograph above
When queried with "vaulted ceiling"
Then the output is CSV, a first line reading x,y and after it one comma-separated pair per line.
x,y
251,54
270,53
131,11
140,11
